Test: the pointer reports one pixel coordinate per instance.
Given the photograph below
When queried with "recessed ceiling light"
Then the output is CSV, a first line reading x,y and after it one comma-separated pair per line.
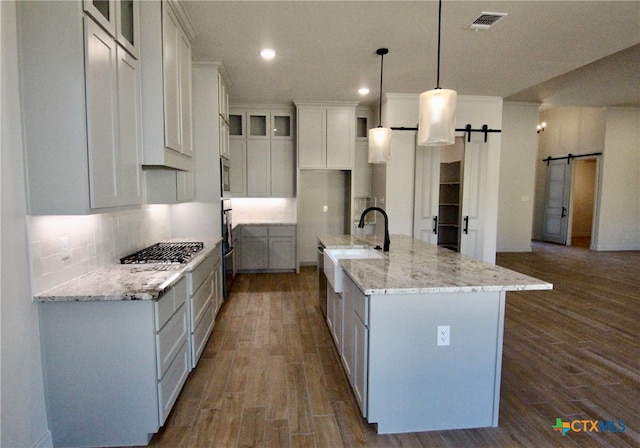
x,y
363,90
268,53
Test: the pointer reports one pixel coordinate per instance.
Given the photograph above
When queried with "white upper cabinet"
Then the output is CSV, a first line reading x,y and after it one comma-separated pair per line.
x,y
166,85
262,151
119,18
223,117
326,135
82,124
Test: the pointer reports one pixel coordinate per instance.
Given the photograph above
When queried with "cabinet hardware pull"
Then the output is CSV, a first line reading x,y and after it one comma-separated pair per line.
x,y
465,229
435,224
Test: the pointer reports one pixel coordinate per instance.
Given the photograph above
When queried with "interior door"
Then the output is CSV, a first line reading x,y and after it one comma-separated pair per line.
x,y
425,218
474,193
556,201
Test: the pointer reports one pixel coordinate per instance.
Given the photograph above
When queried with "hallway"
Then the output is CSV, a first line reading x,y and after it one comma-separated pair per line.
x,y
270,375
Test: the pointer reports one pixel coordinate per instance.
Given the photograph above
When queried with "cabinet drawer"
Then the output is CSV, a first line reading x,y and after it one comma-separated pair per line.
x,y
255,231
171,384
360,305
282,230
170,339
202,332
201,300
202,271
166,305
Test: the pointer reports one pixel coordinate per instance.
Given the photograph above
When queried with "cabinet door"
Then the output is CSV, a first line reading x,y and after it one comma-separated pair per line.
x,y
130,128
340,138
225,150
360,365
171,77
311,137
258,124
102,96
186,146
282,253
283,169
258,168
281,125
103,12
238,167
254,253
128,32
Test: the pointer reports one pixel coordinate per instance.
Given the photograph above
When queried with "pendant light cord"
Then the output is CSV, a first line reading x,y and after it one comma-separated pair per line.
x,y
439,26
381,52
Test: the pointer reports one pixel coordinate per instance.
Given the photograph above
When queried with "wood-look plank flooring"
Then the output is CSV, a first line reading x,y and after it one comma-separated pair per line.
x,y
270,376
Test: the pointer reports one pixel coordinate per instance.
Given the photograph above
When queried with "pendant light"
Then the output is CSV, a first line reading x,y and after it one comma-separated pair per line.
x,y
437,116
380,138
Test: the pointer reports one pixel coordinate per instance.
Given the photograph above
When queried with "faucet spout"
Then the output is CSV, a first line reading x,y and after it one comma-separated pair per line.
x,y
387,241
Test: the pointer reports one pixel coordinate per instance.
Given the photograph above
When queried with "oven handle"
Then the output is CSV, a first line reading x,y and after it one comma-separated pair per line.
x,y
229,252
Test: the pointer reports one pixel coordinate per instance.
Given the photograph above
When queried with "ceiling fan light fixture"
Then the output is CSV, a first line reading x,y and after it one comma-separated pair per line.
x,y
437,109
380,138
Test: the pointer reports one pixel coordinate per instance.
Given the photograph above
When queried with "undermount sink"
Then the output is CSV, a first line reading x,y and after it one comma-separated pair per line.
x,y
332,257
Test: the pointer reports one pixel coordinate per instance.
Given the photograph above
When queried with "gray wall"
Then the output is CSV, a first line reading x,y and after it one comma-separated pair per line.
x,y
517,176
24,422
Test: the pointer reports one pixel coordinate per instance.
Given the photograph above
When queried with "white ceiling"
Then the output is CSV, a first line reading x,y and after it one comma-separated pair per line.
x,y
582,53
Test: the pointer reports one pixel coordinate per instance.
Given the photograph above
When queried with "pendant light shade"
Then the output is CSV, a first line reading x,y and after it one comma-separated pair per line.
x,y
437,117
379,145
380,138
437,113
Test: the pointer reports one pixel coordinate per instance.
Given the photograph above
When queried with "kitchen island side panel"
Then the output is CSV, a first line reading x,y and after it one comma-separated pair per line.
x,y
100,372
416,385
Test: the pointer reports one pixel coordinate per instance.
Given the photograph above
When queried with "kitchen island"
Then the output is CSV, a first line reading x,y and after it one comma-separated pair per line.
x,y
420,333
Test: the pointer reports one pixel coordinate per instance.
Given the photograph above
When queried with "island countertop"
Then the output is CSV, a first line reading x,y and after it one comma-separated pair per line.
x,y
125,281
414,267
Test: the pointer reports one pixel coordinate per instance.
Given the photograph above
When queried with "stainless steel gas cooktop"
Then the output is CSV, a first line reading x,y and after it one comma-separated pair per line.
x,y
174,253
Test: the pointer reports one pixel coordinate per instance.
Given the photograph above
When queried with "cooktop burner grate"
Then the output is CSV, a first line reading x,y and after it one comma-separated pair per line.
x,y
177,253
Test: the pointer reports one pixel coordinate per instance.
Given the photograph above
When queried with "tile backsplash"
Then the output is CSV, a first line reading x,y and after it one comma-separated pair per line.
x,y
91,241
264,210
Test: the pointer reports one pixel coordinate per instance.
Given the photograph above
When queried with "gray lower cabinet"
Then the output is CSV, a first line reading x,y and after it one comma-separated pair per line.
x,y
268,248
205,300
113,369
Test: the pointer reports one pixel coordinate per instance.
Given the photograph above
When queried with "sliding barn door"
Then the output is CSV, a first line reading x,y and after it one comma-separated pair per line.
x,y
474,193
556,201
425,217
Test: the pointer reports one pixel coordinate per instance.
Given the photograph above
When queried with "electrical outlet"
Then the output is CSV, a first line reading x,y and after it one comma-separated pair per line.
x,y
325,208
443,335
65,252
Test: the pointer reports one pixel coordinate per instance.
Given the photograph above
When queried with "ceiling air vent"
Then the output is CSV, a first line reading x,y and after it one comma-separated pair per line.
x,y
486,20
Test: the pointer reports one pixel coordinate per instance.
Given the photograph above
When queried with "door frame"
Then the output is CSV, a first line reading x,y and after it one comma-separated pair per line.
x,y
596,202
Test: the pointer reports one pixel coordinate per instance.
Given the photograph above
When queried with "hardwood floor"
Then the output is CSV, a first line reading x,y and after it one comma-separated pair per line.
x,y
270,376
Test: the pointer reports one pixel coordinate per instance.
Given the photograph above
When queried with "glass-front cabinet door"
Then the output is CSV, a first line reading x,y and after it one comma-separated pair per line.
x,y
258,124
281,126
127,26
119,18
103,12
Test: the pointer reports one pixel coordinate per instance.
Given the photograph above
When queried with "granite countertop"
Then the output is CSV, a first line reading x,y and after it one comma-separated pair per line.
x,y
126,281
415,267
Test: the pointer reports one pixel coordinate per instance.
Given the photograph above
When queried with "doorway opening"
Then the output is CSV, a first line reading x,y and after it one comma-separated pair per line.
x,y
583,201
